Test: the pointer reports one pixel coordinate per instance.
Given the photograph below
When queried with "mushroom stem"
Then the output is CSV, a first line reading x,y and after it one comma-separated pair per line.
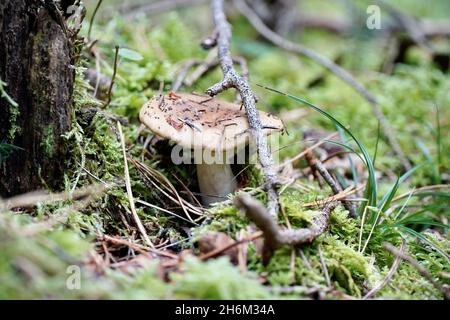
x,y
215,181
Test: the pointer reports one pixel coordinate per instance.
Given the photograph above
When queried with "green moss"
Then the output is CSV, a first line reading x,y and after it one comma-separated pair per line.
x,y
14,111
48,141
216,279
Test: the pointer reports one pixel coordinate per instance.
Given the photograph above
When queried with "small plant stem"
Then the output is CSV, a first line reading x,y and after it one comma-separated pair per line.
x,y
99,3
116,56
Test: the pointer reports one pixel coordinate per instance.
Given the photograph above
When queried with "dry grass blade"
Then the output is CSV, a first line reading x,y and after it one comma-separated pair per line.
x,y
136,218
337,197
164,210
218,251
139,248
425,188
160,182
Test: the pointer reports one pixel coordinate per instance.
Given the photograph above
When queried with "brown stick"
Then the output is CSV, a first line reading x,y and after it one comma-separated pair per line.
x,y
31,199
131,11
218,251
343,74
423,272
335,187
231,79
180,79
389,275
274,237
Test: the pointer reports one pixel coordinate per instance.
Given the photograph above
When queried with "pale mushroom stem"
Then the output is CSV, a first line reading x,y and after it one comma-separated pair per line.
x,y
215,181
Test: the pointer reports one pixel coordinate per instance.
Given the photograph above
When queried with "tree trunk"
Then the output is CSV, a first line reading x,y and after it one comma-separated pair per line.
x,y
36,63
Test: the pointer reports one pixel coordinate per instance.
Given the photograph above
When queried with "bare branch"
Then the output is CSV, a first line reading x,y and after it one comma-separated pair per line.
x,y
274,237
335,187
180,79
410,25
423,272
389,275
231,79
331,66
129,12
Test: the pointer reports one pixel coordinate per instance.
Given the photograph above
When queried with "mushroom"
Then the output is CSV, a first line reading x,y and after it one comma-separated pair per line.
x,y
215,130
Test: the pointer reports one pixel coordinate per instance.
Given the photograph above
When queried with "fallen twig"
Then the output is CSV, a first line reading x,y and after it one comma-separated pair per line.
x,y
129,12
231,79
324,266
139,248
274,237
389,275
422,189
180,79
423,272
335,187
33,198
344,75
410,25
218,251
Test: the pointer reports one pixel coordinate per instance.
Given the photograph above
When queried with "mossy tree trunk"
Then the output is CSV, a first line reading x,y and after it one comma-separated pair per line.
x,y
36,63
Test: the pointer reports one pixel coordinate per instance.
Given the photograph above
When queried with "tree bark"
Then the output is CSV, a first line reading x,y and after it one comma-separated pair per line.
x,y
36,63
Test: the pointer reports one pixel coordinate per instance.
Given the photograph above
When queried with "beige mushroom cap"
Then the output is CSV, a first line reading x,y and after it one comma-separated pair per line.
x,y
198,121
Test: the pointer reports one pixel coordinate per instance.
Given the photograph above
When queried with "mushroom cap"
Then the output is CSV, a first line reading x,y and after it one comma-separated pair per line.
x,y
199,121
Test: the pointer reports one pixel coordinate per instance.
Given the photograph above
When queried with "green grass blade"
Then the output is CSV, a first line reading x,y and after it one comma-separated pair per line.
x,y
371,187
424,239
387,198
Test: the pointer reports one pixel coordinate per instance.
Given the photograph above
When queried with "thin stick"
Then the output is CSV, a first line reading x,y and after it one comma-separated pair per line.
x,y
335,187
136,218
33,198
324,267
113,77
343,74
218,251
274,237
180,79
137,247
389,275
338,197
410,25
99,3
231,79
423,272
156,7
419,190
209,63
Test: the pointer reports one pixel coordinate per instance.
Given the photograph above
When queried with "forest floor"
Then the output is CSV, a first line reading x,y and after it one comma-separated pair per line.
x,y
397,247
